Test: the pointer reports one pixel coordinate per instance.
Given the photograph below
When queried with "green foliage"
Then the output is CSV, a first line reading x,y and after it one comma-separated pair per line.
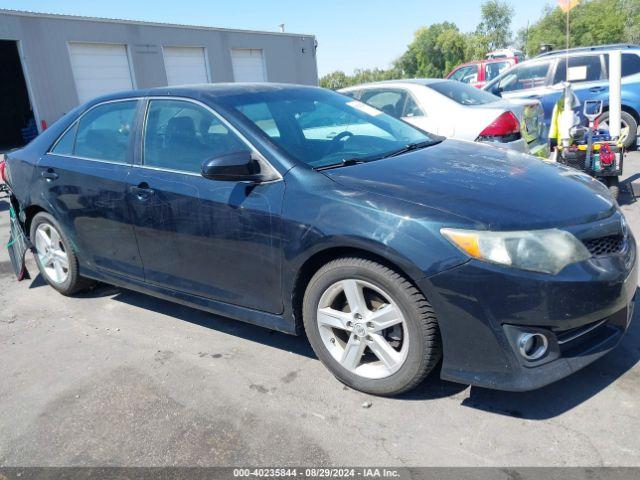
x,y
592,22
337,80
495,26
436,49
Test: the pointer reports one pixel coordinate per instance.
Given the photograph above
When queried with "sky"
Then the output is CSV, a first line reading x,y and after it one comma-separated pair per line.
x,y
350,33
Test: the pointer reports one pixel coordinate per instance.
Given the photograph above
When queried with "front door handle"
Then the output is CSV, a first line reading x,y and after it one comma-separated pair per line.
x,y
596,89
141,191
50,175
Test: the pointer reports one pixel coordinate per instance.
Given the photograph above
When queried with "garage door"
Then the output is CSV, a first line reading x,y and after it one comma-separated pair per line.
x,y
99,69
248,65
185,65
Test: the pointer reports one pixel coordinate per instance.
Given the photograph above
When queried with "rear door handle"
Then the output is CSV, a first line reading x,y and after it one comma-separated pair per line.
x,y
596,89
142,191
49,175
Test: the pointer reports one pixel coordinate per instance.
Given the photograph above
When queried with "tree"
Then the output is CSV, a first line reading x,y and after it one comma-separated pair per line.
x,y
495,25
434,51
592,22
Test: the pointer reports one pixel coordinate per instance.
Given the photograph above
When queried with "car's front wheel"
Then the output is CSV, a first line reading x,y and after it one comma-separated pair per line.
x,y
55,257
371,326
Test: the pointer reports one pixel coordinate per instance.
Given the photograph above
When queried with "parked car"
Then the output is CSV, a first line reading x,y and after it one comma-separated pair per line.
x,y
541,78
389,247
456,110
479,72
517,55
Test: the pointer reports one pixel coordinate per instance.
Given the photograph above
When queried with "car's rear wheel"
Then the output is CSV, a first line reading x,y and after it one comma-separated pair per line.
x,y
628,128
56,260
370,326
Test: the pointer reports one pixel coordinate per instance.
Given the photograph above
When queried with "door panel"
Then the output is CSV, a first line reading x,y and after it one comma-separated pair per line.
x,y
88,198
215,239
88,195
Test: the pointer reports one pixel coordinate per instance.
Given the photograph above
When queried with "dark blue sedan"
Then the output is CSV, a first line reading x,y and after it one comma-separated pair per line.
x,y
302,210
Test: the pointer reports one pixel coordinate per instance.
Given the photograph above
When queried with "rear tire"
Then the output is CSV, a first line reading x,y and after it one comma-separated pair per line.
x,y
389,360
627,122
56,260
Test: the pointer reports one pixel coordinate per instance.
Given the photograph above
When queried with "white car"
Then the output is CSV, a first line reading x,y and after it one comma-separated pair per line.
x,y
454,109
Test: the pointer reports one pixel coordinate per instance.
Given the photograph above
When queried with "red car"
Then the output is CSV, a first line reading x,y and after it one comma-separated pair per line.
x,y
479,72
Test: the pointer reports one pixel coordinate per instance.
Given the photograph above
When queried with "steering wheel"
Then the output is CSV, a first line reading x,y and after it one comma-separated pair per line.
x,y
335,141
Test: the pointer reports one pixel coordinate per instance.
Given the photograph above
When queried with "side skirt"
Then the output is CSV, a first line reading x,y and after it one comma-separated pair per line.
x,y
248,315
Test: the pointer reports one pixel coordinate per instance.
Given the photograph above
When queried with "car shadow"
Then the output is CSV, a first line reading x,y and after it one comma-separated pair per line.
x,y
627,195
294,344
541,404
565,394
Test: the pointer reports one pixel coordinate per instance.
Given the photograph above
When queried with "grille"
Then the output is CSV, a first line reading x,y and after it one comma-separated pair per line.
x,y
604,245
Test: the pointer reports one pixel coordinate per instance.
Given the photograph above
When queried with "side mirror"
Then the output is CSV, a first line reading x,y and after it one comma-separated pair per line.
x,y
497,91
235,167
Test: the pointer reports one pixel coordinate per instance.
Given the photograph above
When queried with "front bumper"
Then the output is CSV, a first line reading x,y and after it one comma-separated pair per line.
x,y
583,311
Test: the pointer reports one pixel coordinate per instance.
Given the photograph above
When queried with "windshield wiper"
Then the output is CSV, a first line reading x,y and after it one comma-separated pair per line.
x,y
411,147
344,163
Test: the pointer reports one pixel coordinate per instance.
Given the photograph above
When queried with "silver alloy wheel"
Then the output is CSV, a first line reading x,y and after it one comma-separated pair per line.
x,y
624,129
51,253
363,328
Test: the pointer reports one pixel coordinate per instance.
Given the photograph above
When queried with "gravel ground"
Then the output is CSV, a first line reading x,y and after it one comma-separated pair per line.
x,y
113,377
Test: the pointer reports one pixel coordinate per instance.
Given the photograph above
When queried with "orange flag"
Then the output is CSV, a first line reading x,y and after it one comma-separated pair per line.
x,y
566,5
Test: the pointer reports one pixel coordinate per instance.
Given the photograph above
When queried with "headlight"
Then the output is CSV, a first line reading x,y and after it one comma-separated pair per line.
x,y
547,251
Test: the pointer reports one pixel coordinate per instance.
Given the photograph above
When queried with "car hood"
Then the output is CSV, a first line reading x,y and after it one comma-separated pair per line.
x,y
493,187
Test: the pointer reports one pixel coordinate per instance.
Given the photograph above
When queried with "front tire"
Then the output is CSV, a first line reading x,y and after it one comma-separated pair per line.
x,y
56,260
370,326
613,184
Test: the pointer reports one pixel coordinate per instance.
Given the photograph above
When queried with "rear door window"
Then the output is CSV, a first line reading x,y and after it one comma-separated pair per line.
x,y
104,133
526,76
582,68
389,101
411,108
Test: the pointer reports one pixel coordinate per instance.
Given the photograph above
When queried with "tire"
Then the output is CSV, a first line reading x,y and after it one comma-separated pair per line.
x,y
70,281
613,184
627,121
415,341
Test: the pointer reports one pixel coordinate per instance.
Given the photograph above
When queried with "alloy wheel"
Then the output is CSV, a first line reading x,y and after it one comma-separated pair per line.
x,y
363,328
624,129
51,253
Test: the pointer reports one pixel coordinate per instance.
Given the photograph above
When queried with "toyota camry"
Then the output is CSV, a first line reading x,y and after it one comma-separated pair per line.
x,y
395,251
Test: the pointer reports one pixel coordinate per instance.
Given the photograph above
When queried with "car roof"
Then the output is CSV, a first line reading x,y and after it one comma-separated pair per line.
x,y
409,81
211,90
595,48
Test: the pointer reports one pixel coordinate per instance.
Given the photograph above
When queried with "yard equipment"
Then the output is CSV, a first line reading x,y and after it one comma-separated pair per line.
x,y
592,150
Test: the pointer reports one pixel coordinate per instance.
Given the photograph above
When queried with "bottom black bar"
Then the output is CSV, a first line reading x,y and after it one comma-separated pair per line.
x,y
402,473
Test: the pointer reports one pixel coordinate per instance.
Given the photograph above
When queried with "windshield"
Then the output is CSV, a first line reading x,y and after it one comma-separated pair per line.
x,y
321,128
462,93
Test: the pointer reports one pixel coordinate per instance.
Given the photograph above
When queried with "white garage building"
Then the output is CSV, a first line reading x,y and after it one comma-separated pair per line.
x,y
51,63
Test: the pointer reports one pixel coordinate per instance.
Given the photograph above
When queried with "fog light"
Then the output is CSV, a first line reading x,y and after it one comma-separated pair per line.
x,y
532,346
